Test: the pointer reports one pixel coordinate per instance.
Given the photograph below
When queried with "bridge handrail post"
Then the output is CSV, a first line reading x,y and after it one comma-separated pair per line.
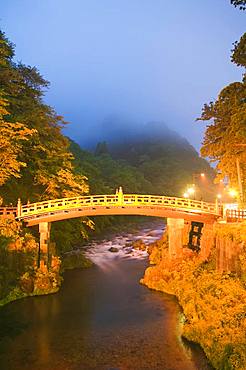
x,y
216,206
189,203
120,196
19,208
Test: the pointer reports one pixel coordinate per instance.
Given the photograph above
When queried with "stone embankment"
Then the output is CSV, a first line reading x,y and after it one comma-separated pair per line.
x,y
211,288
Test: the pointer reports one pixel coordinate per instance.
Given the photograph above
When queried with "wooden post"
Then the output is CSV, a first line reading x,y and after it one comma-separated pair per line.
x,y
19,208
240,185
120,196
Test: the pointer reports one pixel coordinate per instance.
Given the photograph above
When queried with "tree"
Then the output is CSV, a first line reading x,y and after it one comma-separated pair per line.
x,y
12,136
240,3
224,137
239,54
101,148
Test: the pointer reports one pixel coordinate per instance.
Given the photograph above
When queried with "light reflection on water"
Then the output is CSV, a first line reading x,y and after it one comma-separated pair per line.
x,y
101,319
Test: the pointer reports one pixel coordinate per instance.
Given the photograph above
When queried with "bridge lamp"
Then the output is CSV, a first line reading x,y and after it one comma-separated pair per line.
x,y
233,193
186,195
219,196
191,191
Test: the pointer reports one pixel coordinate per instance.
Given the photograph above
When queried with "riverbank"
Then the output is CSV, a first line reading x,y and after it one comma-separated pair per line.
x,y
214,302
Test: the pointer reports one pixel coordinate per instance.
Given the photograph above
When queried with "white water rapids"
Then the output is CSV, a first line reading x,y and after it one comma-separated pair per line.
x,y
98,251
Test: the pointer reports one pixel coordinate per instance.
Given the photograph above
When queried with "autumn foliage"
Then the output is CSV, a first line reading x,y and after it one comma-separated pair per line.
x,y
214,303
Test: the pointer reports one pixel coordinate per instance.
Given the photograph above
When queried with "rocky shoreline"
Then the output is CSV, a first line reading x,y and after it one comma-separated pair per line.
x,y
213,302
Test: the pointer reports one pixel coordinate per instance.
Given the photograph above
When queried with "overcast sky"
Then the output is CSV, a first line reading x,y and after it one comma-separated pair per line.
x,y
143,60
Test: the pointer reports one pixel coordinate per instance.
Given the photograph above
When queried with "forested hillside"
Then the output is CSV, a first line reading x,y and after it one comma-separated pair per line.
x,y
148,158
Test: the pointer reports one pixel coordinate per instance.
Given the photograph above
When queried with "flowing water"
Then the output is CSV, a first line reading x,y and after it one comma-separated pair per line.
x,y
102,318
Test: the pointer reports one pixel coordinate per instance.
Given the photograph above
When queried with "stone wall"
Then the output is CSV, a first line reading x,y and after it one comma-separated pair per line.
x,y
228,241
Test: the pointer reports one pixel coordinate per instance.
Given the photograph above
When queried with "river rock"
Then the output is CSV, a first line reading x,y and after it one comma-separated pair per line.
x,y
26,283
152,233
139,244
127,245
113,249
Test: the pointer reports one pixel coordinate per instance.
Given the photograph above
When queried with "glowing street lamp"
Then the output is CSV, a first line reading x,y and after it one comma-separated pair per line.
x,y
186,195
233,193
191,190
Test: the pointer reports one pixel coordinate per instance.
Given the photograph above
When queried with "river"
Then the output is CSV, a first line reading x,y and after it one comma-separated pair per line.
x,y
101,319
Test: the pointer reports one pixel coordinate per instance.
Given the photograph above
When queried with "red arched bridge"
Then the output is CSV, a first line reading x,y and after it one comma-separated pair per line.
x,y
176,210
117,204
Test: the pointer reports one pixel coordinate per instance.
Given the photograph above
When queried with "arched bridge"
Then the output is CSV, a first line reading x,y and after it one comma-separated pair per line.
x,y
176,210
117,204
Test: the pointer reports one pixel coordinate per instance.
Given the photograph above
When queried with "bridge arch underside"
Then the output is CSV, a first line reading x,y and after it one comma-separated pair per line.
x,y
32,220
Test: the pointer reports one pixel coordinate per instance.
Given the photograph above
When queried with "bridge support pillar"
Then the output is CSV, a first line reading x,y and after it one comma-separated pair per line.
x,y
175,227
44,230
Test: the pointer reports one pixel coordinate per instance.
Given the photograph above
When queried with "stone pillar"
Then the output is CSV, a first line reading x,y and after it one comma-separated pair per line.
x,y
175,228
44,230
207,241
186,231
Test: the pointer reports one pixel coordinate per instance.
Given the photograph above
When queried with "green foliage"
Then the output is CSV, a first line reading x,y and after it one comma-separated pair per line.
x,y
13,134
166,163
239,55
69,234
239,3
225,138
239,52
101,148
75,259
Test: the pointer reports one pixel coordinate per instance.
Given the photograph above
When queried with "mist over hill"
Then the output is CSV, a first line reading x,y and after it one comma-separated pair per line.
x,y
148,158
122,130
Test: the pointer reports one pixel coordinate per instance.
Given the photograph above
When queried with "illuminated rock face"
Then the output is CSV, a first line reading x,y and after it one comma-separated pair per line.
x,y
175,227
227,248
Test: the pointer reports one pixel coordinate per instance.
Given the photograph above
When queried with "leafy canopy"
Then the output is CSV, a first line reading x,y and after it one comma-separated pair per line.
x,y
12,138
44,164
225,136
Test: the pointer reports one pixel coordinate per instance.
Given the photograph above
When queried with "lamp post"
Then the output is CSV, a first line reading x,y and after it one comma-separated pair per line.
x,y
199,180
239,178
197,176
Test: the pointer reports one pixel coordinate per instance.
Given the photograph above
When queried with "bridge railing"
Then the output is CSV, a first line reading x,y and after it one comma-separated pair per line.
x,y
115,200
235,215
8,212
